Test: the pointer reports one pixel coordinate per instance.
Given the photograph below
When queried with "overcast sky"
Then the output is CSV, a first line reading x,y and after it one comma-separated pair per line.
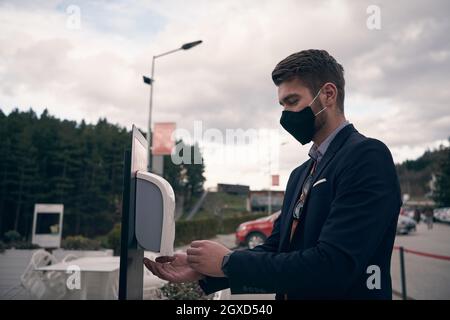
x,y
397,76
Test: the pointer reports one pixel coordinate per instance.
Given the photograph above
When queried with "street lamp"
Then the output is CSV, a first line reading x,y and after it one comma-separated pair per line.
x,y
150,81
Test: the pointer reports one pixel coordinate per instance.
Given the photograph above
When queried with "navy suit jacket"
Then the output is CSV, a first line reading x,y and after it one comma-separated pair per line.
x,y
343,243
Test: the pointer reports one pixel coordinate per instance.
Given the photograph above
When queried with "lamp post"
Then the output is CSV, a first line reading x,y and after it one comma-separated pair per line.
x,y
150,81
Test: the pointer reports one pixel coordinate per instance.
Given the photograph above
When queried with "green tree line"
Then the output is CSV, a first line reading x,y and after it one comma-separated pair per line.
x,y
47,160
416,175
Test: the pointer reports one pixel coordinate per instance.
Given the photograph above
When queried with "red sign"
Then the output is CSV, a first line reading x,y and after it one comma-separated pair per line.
x,y
162,142
275,180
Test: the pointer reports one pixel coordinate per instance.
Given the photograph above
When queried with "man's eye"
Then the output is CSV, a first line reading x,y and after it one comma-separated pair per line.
x,y
292,102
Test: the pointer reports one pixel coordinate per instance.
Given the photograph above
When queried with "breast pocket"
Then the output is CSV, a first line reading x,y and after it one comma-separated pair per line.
x,y
321,190
318,208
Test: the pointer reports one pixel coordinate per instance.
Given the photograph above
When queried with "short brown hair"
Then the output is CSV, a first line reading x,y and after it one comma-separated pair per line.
x,y
313,68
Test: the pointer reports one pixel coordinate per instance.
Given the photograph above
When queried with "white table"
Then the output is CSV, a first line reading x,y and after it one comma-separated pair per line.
x,y
99,277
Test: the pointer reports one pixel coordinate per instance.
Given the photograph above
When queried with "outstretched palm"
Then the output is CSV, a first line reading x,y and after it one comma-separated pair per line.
x,y
174,269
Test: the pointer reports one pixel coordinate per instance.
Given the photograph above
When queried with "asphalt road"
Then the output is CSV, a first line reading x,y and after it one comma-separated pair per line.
x,y
426,278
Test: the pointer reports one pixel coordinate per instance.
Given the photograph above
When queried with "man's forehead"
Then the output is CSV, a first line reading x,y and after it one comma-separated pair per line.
x,y
293,86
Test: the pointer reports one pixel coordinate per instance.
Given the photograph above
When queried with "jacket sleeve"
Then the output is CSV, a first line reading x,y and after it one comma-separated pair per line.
x,y
212,284
366,204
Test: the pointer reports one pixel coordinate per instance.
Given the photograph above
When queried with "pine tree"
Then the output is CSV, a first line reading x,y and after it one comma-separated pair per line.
x,y
46,160
441,194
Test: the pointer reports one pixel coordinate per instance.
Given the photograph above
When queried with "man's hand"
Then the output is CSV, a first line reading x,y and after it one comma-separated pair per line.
x,y
173,269
206,257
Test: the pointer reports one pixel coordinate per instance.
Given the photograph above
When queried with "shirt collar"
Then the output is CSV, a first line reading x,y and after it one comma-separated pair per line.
x,y
317,152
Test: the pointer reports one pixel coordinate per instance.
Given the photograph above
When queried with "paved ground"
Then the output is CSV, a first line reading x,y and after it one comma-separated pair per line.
x,y
426,278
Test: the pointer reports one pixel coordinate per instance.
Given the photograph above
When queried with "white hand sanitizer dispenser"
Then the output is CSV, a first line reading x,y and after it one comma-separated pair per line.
x,y
155,208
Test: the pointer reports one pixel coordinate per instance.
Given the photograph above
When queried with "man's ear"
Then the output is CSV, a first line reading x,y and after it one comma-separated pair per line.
x,y
331,92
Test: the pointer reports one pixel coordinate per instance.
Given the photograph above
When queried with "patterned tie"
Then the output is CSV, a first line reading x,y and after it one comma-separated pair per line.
x,y
301,200
299,204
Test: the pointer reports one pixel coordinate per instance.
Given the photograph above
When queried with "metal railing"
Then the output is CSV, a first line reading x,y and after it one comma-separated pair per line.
x,y
402,252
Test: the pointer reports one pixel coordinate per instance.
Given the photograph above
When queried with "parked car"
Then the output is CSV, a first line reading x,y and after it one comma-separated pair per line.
x,y
405,225
442,215
253,233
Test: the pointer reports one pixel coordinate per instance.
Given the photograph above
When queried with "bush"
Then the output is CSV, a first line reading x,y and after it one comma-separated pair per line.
x,y
230,224
80,243
12,236
187,231
112,239
13,239
206,228
184,291
2,246
24,245
103,240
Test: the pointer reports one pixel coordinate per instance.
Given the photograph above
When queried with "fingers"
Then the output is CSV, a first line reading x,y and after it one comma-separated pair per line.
x,y
146,263
197,244
180,255
165,259
167,272
193,252
194,256
149,265
164,271
196,267
193,259
154,268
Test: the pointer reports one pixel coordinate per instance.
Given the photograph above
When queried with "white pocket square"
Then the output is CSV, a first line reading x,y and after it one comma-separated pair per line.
x,y
319,182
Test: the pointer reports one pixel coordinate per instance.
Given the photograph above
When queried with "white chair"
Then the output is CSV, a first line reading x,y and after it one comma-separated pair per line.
x,y
31,280
43,284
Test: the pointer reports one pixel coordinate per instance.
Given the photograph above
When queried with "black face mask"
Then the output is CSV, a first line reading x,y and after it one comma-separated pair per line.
x,y
300,124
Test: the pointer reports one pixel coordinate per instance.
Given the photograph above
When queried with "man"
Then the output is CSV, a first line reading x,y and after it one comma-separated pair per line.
x,y
335,234
429,217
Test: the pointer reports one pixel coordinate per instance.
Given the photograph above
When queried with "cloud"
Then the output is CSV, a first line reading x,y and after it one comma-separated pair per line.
x,y
397,77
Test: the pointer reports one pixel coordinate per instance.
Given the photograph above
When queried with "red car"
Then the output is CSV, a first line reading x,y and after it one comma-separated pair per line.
x,y
255,232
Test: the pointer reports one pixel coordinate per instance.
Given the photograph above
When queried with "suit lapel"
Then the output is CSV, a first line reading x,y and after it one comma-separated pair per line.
x,y
335,145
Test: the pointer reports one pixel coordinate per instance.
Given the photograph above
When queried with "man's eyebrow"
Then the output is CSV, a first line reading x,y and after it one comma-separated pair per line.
x,y
292,95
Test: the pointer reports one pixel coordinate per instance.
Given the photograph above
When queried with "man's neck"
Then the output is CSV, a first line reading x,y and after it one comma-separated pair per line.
x,y
327,129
